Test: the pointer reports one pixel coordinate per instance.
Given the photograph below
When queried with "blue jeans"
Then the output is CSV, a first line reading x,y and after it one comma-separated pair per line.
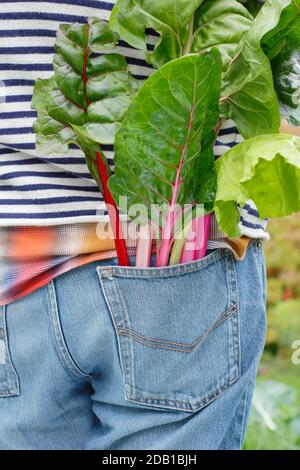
x,y
106,357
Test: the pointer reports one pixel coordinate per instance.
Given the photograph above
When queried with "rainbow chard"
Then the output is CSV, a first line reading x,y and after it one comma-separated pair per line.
x,y
214,62
163,149
84,103
164,131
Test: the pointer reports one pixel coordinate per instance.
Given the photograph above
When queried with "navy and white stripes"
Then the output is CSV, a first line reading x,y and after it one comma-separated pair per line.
x,y
56,189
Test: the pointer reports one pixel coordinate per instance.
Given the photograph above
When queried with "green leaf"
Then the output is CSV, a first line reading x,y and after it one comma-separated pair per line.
x,y
222,25
171,120
265,169
183,27
89,92
248,91
52,136
171,19
285,37
287,85
253,6
282,45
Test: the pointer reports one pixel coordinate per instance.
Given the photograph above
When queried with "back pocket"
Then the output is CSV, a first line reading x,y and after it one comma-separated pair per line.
x,y
177,330
9,382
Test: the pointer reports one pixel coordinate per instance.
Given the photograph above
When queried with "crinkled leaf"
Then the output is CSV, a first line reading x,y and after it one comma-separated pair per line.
x,y
248,88
171,19
282,45
172,119
265,169
184,26
88,91
292,115
287,85
285,37
222,25
51,135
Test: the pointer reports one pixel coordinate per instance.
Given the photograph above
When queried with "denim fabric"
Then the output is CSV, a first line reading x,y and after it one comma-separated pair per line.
x,y
106,357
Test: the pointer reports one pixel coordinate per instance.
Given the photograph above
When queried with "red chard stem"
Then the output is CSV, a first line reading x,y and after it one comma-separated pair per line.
x,y
113,214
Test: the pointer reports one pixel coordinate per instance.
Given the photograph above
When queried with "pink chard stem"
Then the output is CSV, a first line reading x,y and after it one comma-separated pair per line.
x,y
196,245
144,247
202,236
168,230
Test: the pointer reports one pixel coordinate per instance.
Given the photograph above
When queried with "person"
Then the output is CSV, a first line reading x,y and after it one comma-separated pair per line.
x,y
94,355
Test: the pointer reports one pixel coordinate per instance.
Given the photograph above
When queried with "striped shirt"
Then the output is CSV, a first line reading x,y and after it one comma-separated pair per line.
x,y
58,189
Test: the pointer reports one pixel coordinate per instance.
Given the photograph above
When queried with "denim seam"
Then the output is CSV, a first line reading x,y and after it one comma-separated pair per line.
x,y
258,250
264,277
235,321
108,289
131,354
260,258
228,263
189,347
13,379
259,255
63,351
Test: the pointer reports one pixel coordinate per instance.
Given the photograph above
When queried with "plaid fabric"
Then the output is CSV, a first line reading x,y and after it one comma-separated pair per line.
x,y
30,257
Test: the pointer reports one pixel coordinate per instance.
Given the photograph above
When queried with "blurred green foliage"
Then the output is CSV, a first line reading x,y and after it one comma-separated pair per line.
x,y
275,417
283,266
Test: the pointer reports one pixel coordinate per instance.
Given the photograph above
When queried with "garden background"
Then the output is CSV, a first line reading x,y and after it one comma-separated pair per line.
x,y
275,416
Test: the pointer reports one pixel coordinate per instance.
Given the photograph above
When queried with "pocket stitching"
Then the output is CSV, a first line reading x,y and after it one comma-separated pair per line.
x,y
123,352
164,272
190,346
162,401
131,349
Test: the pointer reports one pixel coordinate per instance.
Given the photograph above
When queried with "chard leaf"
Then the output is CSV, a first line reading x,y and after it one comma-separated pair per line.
x,y
282,45
222,25
248,89
253,6
265,169
51,135
171,19
287,85
88,95
285,37
183,27
168,134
